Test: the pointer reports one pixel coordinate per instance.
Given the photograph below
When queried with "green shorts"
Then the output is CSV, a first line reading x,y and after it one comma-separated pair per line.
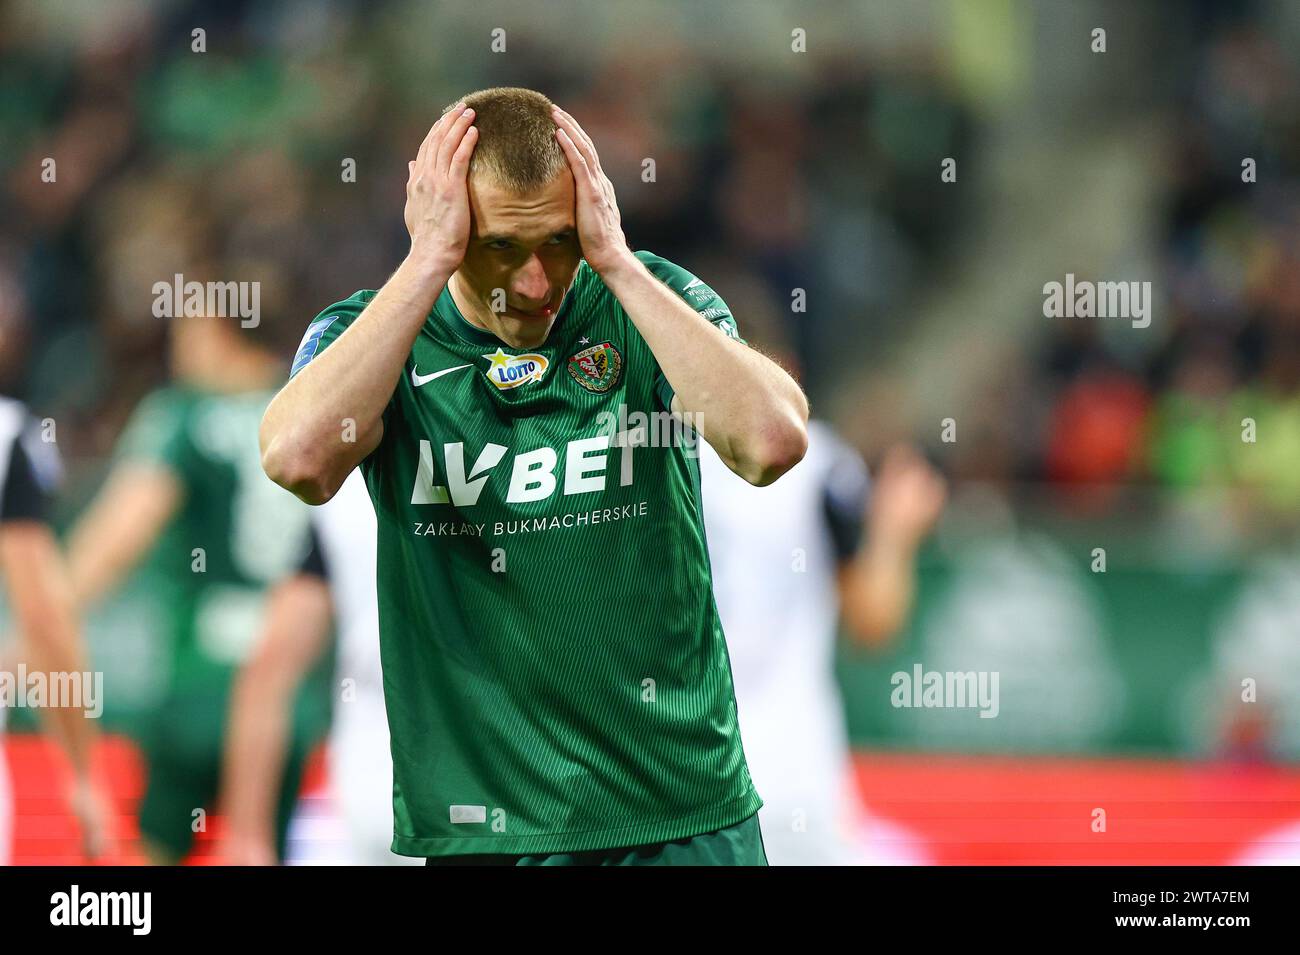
x,y
741,844
183,752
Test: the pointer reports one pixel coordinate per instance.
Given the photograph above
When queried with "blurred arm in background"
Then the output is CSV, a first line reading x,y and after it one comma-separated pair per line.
x,y
295,633
120,527
39,592
877,584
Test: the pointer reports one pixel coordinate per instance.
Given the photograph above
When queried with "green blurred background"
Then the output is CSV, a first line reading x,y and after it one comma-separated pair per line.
x,y
776,171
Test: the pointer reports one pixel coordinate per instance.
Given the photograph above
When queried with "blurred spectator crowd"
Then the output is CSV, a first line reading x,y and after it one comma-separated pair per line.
x,y
231,164
1210,402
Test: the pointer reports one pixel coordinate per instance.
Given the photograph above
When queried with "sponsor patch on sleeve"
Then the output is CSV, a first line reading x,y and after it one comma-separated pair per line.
x,y
727,325
310,343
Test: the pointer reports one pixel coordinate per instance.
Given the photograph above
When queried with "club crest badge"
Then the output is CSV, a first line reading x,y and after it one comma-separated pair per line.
x,y
597,368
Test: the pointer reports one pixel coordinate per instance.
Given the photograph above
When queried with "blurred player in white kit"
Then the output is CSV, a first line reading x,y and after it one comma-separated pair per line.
x,y
40,598
790,563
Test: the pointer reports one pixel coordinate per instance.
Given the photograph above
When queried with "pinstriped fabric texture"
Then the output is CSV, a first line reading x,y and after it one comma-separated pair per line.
x,y
554,667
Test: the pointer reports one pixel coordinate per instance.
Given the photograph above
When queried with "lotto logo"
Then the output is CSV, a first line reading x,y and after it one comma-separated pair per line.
x,y
511,371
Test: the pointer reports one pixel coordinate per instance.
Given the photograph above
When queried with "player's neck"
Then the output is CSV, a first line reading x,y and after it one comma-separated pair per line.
x,y
478,315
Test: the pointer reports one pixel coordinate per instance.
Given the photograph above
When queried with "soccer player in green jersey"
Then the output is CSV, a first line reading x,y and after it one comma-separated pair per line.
x,y
188,500
557,681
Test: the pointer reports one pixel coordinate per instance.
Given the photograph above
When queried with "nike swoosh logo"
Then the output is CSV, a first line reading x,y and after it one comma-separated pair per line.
x,y
417,379
692,283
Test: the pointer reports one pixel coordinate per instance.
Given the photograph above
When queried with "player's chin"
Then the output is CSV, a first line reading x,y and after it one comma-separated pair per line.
x,y
526,329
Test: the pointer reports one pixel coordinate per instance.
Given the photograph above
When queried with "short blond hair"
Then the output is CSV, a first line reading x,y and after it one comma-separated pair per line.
x,y
516,144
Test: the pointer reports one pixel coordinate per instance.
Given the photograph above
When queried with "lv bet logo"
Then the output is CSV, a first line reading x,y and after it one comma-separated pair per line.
x,y
532,473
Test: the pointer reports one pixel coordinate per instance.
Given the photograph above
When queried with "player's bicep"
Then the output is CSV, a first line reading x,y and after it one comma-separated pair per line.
x,y
296,628
325,331
706,303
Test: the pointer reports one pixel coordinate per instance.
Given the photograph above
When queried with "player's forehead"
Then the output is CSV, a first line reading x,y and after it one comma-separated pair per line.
x,y
531,216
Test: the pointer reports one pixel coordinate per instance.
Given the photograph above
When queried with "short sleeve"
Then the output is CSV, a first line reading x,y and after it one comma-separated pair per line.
x,y
326,328
31,479
698,296
845,489
156,434
313,565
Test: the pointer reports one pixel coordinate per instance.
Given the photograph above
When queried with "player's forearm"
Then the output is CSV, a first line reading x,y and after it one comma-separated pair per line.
x,y
298,614
324,421
879,588
255,754
44,608
95,571
746,406
55,652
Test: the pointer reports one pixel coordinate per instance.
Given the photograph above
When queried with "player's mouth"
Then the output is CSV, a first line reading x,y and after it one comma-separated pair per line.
x,y
546,311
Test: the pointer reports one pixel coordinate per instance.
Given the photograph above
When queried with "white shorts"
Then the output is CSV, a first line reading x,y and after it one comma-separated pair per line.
x,y
352,822
361,778
833,828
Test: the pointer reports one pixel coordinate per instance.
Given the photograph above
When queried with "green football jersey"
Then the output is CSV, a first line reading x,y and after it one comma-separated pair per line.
x,y
234,533
555,671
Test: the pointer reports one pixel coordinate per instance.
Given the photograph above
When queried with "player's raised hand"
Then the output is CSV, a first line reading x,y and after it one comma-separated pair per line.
x,y
600,227
908,496
437,195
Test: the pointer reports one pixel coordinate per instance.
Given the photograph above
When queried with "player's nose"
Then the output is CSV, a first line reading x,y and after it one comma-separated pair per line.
x,y
531,286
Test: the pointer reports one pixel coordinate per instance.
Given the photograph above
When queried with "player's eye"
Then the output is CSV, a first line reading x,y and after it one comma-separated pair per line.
x,y
499,244
560,238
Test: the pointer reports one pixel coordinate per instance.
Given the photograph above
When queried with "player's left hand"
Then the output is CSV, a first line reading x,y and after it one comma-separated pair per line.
x,y
908,496
600,227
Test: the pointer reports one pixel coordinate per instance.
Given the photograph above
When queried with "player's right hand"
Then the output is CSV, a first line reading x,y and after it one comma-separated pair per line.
x,y
93,809
437,192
